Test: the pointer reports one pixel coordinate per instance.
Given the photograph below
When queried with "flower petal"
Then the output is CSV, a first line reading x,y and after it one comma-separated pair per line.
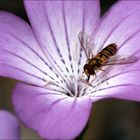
x,y
124,85
52,116
9,126
21,57
122,28
56,25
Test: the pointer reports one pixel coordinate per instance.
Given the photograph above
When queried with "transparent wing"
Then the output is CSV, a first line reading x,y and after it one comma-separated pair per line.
x,y
86,43
121,61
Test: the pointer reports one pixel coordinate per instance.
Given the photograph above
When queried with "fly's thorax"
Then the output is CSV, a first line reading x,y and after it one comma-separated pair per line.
x,y
91,66
95,62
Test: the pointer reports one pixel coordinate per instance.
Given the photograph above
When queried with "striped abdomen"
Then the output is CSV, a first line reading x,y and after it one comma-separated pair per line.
x,y
106,53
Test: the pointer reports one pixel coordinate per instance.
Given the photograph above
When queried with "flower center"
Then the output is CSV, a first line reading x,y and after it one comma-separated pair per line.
x,y
74,87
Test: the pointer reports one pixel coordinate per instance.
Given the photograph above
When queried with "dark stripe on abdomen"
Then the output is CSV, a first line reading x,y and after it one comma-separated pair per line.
x,y
111,49
103,54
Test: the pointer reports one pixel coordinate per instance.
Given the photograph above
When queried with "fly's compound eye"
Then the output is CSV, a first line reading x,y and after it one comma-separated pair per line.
x,y
85,67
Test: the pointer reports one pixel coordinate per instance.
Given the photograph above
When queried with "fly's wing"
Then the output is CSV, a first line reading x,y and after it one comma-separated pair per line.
x,y
121,61
86,43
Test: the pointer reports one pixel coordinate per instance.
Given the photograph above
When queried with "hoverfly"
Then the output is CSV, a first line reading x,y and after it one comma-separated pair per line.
x,y
103,58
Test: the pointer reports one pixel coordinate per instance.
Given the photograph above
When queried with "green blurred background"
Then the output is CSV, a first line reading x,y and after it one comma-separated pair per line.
x,y
110,119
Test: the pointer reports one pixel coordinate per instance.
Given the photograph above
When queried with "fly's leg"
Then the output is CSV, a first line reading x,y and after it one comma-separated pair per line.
x,y
106,80
105,76
87,83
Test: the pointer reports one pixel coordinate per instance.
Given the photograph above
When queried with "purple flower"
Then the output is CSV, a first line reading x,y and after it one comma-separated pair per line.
x,y
9,126
48,58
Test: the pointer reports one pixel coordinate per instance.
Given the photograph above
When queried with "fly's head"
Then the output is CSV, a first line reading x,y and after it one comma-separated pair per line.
x,y
88,71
